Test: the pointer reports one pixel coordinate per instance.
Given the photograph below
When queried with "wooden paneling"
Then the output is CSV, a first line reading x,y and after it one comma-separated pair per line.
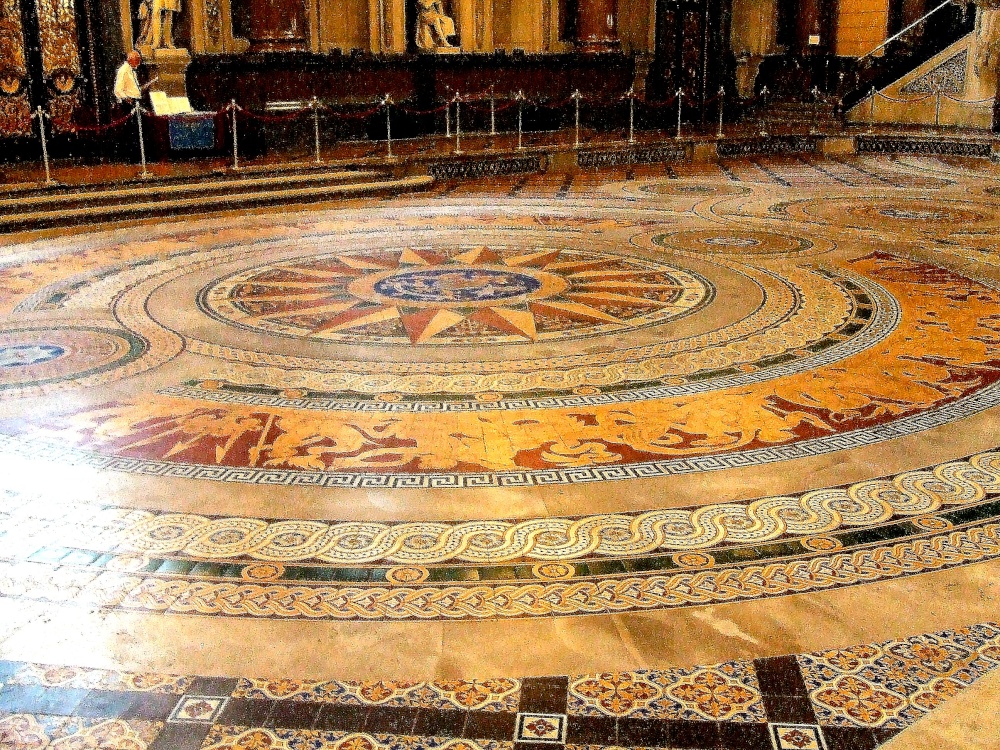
x,y
344,25
861,25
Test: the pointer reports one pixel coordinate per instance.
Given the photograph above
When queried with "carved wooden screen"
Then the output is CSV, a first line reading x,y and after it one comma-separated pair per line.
x,y
59,42
15,109
59,51
689,53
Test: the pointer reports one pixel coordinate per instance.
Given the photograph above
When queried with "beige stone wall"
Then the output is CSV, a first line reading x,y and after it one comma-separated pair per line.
x,y
344,24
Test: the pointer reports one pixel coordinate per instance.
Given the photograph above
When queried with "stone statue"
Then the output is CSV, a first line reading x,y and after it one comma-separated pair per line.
x,y
157,18
434,27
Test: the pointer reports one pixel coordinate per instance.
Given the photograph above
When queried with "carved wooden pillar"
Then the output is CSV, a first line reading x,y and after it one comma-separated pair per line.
x,y
597,26
278,26
387,20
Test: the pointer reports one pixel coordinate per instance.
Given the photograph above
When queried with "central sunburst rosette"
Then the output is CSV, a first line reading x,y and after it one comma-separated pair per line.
x,y
459,295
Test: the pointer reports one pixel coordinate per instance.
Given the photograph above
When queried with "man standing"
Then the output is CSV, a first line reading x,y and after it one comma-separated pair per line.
x,y
127,89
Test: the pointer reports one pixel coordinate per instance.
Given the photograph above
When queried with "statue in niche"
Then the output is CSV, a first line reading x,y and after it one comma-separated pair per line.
x,y
157,17
434,26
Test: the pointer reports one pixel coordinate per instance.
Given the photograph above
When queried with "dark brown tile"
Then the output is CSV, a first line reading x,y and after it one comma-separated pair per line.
x,y
153,706
643,733
342,718
780,675
538,746
789,710
591,730
693,734
107,704
734,735
181,737
293,714
883,735
849,738
391,720
245,712
489,725
544,695
432,722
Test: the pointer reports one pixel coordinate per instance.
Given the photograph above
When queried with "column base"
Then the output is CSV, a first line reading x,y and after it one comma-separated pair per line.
x,y
169,65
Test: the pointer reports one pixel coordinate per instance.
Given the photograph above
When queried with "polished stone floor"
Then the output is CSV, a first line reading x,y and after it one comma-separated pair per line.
x,y
695,456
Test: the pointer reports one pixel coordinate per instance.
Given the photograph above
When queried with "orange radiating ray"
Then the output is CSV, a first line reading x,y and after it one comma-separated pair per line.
x,y
363,264
537,260
420,326
413,257
614,299
572,310
332,307
508,320
358,317
479,255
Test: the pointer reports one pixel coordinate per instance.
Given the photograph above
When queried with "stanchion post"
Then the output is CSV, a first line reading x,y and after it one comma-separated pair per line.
x,y
236,146
41,115
937,108
631,115
493,113
576,96
680,108
871,110
814,130
760,111
447,120
722,103
387,103
142,141
458,123
315,109
520,124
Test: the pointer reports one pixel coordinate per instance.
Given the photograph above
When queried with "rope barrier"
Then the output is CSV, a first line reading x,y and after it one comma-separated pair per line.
x,y
100,128
974,103
420,112
915,100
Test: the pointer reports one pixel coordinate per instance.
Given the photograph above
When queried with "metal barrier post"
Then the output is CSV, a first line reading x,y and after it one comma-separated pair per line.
x,y
315,109
722,101
387,103
447,120
458,123
520,105
493,113
871,111
142,141
631,116
45,146
577,96
815,125
236,150
680,101
760,116
937,108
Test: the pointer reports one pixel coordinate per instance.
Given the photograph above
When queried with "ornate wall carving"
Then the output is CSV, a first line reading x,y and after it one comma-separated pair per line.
x,y
60,58
15,110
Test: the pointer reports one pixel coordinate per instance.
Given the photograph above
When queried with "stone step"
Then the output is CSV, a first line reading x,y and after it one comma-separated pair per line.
x,y
39,219
145,192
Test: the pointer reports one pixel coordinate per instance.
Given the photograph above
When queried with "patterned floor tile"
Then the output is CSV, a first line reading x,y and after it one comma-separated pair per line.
x,y
27,732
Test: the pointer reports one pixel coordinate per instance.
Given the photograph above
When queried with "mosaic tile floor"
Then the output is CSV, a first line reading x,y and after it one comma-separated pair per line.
x,y
719,442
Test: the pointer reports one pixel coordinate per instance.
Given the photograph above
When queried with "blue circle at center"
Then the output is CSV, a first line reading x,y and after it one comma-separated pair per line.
x,y
22,355
457,285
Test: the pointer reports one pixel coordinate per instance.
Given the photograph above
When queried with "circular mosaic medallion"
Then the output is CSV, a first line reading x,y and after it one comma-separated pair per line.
x,y
457,295
25,355
739,241
32,357
906,214
679,189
